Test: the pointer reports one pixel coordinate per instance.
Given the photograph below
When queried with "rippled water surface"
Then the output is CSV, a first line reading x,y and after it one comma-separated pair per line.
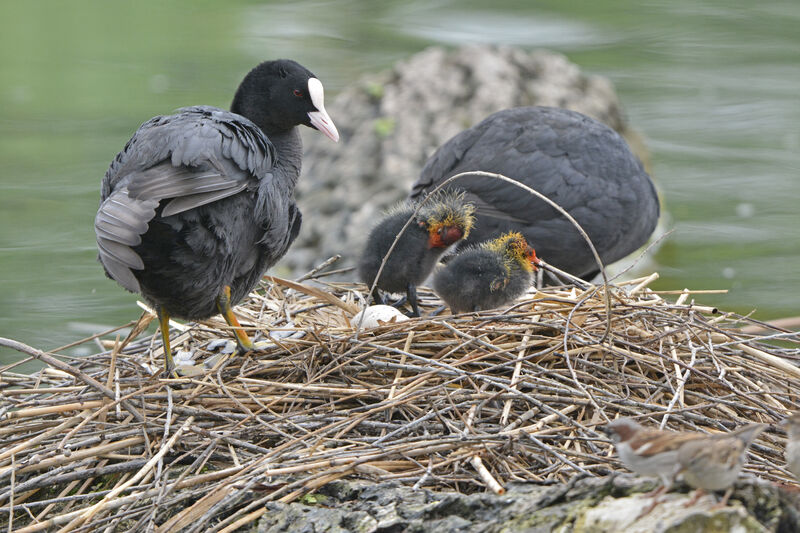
x,y
713,87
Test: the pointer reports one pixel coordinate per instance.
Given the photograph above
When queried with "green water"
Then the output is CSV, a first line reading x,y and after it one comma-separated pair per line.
x,y
713,86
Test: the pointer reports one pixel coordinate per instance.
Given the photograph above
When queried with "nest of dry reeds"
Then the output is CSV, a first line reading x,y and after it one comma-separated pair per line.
x,y
462,403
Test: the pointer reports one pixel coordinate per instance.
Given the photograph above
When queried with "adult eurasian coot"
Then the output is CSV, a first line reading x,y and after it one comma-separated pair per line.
x,y
576,161
199,204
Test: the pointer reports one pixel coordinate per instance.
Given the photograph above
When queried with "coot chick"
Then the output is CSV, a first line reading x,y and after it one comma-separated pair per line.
x,y
441,221
199,204
487,276
579,163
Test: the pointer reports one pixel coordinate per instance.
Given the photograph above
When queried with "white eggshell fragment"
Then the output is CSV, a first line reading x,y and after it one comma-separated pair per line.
x,y
377,315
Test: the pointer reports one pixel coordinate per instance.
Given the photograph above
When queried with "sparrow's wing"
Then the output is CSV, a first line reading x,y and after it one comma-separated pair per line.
x,y
648,443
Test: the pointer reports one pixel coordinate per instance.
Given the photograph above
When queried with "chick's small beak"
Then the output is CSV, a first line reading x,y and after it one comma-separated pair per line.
x,y
531,254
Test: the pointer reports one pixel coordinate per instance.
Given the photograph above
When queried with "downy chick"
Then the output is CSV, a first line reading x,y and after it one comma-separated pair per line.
x,y
487,276
442,221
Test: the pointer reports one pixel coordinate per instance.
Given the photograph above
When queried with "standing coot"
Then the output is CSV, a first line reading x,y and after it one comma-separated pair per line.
x,y
576,161
200,203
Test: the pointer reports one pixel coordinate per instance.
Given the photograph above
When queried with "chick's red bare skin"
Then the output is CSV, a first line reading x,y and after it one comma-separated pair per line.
x,y
442,236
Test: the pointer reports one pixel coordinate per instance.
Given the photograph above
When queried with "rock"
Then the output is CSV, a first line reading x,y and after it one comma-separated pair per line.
x,y
621,514
390,123
302,519
584,505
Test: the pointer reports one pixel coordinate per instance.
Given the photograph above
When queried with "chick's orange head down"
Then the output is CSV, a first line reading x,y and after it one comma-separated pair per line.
x,y
515,248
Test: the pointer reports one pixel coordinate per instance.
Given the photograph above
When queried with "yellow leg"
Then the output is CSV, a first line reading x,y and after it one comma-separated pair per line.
x,y
163,324
225,309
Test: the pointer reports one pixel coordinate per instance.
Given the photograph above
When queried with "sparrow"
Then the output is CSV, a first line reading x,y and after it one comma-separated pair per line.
x,y
649,452
792,424
713,462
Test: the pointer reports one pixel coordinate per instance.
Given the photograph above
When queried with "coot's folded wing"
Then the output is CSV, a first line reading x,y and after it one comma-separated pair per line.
x,y
197,156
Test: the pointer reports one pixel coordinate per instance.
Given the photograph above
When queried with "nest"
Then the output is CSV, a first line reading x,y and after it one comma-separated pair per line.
x,y
465,403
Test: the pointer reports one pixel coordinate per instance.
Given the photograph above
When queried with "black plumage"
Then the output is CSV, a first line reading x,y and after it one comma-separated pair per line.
x,y
441,221
579,163
488,275
199,204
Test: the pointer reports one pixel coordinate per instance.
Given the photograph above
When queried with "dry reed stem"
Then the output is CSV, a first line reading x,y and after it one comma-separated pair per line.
x,y
486,476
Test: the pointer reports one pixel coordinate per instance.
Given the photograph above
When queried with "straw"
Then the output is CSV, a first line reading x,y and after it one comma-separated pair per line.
x,y
462,403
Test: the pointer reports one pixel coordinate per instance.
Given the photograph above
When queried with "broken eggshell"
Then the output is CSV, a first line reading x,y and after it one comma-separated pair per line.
x,y
377,315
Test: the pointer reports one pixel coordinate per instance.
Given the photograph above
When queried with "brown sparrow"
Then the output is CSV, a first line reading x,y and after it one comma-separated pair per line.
x,y
792,424
713,462
649,452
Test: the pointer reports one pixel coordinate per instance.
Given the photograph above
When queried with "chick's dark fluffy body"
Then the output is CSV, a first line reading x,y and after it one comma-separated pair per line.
x,y
411,261
478,279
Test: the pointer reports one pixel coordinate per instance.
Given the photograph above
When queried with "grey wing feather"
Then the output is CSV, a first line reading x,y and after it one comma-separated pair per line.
x,y
117,213
188,187
200,138
184,203
119,224
197,156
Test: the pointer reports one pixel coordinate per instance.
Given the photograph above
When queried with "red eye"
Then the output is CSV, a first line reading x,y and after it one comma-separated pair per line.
x,y
298,93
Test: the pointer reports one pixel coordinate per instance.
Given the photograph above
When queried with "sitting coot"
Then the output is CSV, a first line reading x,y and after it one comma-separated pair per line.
x,y
579,163
487,276
442,221
199,204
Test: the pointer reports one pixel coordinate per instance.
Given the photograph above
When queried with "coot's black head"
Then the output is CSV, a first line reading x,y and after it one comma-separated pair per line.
x,y
278,95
